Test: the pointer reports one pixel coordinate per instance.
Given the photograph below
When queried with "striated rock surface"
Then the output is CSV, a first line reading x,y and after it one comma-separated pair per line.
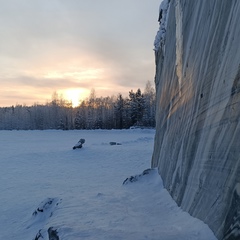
x,y
197,142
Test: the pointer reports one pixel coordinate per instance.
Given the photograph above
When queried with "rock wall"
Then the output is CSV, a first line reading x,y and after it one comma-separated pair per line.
x,y
197,142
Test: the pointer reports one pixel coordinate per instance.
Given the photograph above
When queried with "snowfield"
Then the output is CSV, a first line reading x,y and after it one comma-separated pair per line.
x,y
46,186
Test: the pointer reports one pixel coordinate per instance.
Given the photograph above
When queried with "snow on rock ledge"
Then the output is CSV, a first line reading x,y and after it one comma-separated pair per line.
x,y
163,16
197,143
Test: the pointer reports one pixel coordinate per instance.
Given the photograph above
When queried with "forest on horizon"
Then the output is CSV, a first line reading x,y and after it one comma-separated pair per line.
x,y
115,112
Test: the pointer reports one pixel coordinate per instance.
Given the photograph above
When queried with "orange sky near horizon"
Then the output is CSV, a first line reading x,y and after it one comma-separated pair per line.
x,y
71,47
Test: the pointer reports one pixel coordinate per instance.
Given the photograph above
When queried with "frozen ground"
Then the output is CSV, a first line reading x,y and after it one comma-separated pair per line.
x,y
44,183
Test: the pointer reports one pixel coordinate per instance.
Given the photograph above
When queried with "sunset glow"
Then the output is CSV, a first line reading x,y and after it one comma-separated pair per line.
x,y
75,95
84,73
55,46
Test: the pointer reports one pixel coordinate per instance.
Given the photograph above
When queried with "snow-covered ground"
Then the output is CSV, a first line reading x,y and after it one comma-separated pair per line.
x,y
79,193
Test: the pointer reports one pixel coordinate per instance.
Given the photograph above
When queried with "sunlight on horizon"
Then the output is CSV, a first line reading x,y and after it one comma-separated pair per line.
x,y
75,95
78,76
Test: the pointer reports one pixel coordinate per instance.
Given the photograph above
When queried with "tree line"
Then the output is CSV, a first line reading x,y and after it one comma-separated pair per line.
x,y
115,112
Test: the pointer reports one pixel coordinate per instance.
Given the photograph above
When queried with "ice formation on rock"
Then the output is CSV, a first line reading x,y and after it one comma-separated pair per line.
x,y
163,16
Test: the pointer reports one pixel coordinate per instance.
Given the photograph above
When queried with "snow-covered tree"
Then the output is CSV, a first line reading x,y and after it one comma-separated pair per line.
x,y
149,102
136,103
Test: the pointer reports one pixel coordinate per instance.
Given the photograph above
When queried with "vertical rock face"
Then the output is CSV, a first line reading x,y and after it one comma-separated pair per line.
x,y
197,142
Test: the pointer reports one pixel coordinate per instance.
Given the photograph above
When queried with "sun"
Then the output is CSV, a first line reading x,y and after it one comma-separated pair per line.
x,y
75,95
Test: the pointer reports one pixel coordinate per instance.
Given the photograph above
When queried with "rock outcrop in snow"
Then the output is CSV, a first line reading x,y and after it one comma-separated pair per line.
x,y
197,142
41,215
137,177
79,143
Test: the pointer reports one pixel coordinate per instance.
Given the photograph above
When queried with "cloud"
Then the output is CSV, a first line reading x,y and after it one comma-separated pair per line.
x,y
50,45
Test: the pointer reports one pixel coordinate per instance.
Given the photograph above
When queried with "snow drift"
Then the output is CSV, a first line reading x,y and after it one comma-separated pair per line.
x,y
197,125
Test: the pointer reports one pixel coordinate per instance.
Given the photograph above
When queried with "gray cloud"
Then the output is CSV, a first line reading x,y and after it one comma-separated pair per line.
x,y
38,37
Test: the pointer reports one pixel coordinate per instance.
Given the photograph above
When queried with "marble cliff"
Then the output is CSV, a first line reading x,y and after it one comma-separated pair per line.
x,y
197,142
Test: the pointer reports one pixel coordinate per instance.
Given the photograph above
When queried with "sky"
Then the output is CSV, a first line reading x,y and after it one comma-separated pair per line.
x,y
73,46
